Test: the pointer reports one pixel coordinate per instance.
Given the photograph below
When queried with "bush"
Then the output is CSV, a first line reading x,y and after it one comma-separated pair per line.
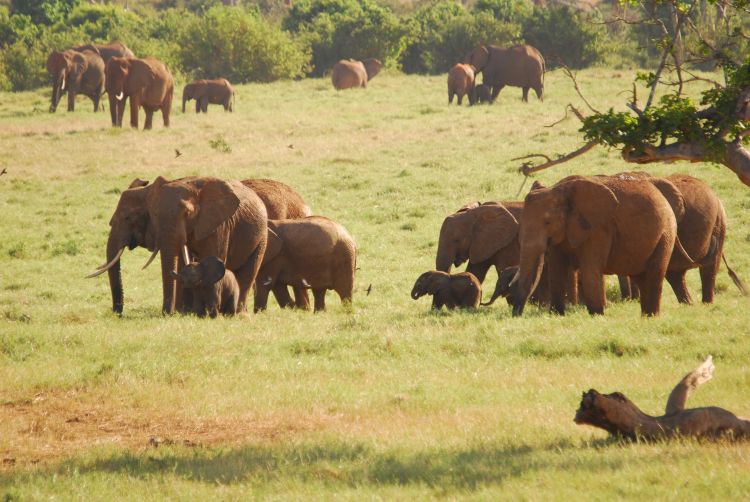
x,y
338,29
44,11
241,46
510,11
562,34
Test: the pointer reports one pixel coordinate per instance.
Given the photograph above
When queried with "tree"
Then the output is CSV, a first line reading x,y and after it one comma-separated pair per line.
x,y
44,11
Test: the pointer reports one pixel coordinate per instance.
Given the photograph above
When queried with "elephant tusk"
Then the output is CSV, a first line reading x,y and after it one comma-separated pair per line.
x,y
151,258
120,96
268,282
305,283
62,86
186,255
108,265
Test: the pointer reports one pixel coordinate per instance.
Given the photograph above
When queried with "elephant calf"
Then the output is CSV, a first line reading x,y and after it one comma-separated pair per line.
x,y
205,92
452,290
483,94
214,287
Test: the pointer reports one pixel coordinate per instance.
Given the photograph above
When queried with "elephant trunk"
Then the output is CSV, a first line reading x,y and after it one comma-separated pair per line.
x,y
115,277
495,296
112,107
416,293
169,262
528,277
58,86
444,259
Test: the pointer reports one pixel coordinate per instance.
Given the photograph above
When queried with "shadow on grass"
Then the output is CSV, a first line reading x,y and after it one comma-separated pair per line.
x,y
337,462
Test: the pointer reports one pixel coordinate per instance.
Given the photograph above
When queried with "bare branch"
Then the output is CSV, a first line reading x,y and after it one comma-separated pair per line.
x,y
528,168
572,77
569,107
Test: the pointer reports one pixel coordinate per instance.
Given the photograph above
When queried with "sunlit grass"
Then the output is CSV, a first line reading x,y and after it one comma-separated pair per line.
x,y
386,400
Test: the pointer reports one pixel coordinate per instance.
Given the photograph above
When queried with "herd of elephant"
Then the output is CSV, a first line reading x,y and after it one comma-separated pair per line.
x,y
94,69
557,245
218,238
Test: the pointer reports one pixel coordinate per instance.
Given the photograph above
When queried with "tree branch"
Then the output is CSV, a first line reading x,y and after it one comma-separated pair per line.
x,y
528,168
572,77
667,153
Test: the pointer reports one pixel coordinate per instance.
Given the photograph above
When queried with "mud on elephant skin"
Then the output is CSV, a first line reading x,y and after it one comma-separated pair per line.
x,y
214,288
146,82
520,66
348,73
205,92
75,72
313,252
460,290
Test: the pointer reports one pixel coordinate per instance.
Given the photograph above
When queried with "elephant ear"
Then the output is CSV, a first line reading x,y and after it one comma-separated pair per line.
x,y
273,246
218,201
592,205
138,183
212,270
478,58
537,185
372,67
152,199
673,196
494,228
436,281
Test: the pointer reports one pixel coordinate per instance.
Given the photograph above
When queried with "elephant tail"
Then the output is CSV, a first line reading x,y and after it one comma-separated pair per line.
x,y
735,278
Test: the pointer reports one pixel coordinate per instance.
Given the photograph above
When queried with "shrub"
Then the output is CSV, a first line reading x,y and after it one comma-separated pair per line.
x,y
562,34
240,46
44,11
510,11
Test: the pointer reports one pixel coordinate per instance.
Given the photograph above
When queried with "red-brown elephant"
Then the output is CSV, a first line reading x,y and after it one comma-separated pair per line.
x,y
349,73
75,72
147,82
520,66
107,51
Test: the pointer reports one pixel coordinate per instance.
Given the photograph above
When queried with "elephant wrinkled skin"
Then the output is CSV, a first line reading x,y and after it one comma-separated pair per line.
x,y
147,82
349,73
75,72
520,66
205,92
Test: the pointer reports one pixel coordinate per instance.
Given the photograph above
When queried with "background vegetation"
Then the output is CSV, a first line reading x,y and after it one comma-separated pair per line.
x,y
387,400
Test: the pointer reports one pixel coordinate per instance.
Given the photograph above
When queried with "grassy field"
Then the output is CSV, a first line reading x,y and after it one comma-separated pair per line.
x,y
387,400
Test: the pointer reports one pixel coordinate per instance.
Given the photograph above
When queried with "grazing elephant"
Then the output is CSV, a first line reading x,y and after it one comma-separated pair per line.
x,y
452,290
77,72
461,83
148,84
312,252
349,73
520,66
214,288
483,93
107,51
601,226
131,227
203,217
205,92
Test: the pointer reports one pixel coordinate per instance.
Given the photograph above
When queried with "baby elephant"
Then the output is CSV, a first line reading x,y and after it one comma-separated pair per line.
x,y
483,94
452,290
214,288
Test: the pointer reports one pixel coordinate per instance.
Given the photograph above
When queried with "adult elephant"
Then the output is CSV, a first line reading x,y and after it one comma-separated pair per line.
x,y
107,51
204,217
205,92
614,225
349,73
147,82
520,66
77,72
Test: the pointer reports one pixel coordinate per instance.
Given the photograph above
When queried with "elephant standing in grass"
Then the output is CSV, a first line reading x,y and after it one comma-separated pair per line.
x,y
483,94
313,252
75,72
349,73
460,290
520,66
147,82
214,288
205,92
461,83
107,51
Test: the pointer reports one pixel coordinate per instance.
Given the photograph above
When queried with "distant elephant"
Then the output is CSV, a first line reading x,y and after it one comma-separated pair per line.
x,y
131,227
107,51
147,82
205,92
520,66
349,73
600,226
313,252
214,288
461,83
76,72
483,94
450,290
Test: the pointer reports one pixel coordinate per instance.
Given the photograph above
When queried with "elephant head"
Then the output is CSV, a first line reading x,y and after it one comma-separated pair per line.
x,y
191,91
207,272
474,233
478,57
59,64
566,213
504,284
117,74
372,67
188,211
430,283
130,227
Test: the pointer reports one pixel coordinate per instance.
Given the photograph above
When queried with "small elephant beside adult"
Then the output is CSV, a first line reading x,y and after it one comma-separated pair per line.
x,y
205,92
348,73
132,226
313,252
146,82
609,225
461,290
461,83
520,66
77,72
214,289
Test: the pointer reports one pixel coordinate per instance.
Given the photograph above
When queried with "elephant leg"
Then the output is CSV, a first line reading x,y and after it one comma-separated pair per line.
x,y
95,99
149,118
281,293
197,105
480,269
557,265
571,286
71,101
301,299
635,292
134,106
592,281
495,92
320,299
676,279
460,98
653,278
184,298
247,274
708,271
525,97
539,90
624,282
450,97
121,112
260,298
204,105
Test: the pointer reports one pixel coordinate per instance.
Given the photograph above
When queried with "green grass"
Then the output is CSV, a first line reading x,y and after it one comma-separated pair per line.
x,y
386,400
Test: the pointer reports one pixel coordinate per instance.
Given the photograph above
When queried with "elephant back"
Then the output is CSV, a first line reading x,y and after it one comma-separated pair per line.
x,y
281,201
348,73
519,66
